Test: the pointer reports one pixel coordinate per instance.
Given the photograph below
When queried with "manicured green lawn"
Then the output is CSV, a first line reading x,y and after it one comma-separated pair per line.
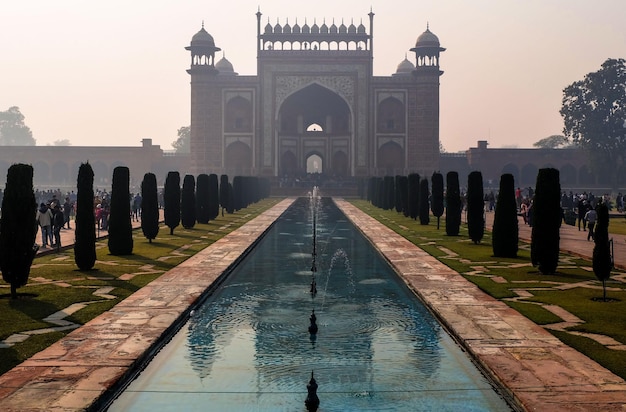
x,y
55,282
574,287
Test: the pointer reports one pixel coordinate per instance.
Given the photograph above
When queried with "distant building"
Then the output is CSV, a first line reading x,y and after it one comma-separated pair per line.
x,y
314,105
524,164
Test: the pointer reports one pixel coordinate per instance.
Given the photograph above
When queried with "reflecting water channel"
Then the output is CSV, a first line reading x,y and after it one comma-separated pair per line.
x,y
248,348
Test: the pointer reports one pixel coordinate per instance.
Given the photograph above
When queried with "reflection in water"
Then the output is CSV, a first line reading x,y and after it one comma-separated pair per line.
x,y
377,346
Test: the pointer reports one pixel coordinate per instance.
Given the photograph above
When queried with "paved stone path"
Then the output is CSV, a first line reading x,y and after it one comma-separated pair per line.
x,y
538,371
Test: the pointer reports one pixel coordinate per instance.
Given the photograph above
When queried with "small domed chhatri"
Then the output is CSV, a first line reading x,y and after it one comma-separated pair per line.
x,y
202,38
427,39
225,67
404,67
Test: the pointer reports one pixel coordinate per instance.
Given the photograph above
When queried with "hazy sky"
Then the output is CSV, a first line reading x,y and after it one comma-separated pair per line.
x,y
110,73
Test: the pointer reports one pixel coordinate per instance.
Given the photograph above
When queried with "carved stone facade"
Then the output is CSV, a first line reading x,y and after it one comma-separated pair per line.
x,y
314,106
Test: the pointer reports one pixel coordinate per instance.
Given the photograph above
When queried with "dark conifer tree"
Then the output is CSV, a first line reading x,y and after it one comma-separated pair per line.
x,y
380,192
214,197
224,193
188,202
602,260
398,193
120,226
149,207
231,199
424,207
404,195
437,197
389,192
18,227
414,195
453,204
475,206
171,199
85,231
371,188
237,193
505,234
202,199
545,237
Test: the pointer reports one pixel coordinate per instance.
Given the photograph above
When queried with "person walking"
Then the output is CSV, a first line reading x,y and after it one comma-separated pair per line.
x,y
44,218
67,211
591,216
58,221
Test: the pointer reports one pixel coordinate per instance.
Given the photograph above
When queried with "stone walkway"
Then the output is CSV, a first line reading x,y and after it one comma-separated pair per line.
x,y
537,370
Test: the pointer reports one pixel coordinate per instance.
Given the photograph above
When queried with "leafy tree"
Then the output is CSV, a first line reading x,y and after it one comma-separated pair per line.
x,y
545,237
413,195
475,206
171,199
188,202
423,203
62,142
214,197
18,227
602,261
436,205
552,142
594,114
149,207
505,234
453,204
85,232
182,144
202,199
120,227
13,131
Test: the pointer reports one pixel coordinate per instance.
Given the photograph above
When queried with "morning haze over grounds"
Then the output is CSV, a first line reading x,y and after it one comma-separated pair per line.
x,y
195,201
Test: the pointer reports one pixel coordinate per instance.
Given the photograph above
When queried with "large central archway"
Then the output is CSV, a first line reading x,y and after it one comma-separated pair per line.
x,y
314,121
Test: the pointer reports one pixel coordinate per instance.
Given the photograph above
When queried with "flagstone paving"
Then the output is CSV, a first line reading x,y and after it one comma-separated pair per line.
x,y
535,368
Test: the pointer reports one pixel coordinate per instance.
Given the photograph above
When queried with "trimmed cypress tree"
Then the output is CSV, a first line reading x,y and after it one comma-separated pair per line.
x,y
453,204
202,199
149,207
171,199
404,194
237,193
85,232
231,199
224,193
424,211
18,227
390,192
214,197
120,227
398,193
545,237
505,234
602,261
475,207
436,205
188,202
413,195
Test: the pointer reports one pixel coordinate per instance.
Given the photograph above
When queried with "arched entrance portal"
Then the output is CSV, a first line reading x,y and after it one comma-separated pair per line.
x,y
314,164
314,124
